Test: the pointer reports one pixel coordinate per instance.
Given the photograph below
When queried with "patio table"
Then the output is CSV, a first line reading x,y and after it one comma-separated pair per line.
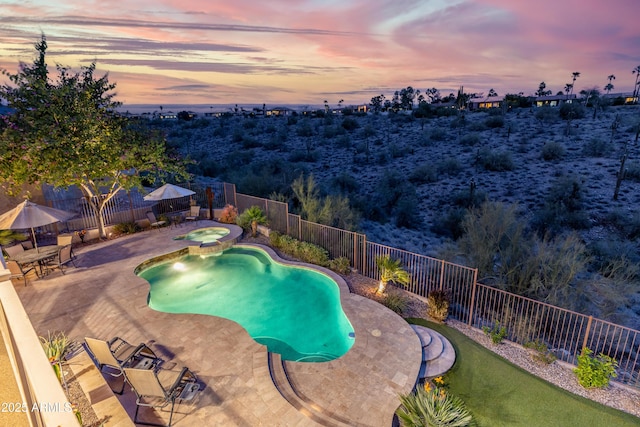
x,y
36,255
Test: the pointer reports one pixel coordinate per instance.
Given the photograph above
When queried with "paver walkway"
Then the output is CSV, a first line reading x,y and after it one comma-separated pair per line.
x,y
104,298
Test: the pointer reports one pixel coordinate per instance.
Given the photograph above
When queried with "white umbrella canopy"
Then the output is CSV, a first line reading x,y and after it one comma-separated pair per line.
x,y
30,215
168,191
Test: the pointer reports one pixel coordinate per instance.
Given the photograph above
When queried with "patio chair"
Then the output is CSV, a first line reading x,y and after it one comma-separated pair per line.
x,y
27,244
116,354
154,222
194,214
157,389
65,239
63,258
12,251
18,271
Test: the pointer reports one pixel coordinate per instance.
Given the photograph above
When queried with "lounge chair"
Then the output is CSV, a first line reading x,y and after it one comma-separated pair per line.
x,y
157,389
12,251
63,258
154,222
194,214
117,354
18,271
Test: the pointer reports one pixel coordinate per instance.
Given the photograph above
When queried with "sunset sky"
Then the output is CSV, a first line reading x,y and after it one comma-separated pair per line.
x,y
308,51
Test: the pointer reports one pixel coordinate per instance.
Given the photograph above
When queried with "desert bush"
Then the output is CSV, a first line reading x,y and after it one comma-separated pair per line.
x,y
438,304
552,150
340,265
407,211
496,161
547,114
496,332
304,156
632,172
571,111
345,183
395,302
541,352
438,134
229,214
126,228
596,147
563,207
248,142
343,141
450,166
449,223
470,139
424,174
350,124
493,122
595,372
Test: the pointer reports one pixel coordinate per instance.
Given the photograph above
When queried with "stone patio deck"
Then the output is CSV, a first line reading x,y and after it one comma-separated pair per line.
x,y
104,298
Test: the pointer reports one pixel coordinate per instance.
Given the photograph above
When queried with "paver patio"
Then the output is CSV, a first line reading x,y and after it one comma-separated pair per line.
x,y
104,298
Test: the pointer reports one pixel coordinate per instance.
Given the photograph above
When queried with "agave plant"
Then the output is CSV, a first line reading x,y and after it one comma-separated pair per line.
x,y
390,271
251,218
56,347
433,408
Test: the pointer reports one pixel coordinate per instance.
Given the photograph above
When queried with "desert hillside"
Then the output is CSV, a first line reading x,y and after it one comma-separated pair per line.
x,y
413,179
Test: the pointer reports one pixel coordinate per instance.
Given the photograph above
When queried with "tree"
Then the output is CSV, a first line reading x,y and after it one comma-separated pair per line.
x,y
574,76
609,85
377,103
67,132
390,271
636,71
542,90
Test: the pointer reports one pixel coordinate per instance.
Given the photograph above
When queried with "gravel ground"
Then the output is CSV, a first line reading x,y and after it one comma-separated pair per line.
x,y
559,373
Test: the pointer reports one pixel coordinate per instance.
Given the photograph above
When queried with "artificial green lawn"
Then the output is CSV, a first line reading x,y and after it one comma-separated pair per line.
x,y
499,393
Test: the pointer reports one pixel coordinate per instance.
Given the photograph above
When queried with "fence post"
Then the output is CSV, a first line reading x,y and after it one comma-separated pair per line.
x,y
299,227
365,255
473,297
586,333
133,217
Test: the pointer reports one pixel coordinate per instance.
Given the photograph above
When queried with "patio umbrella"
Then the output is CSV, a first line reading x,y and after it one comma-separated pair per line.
x,y
168,191
30,215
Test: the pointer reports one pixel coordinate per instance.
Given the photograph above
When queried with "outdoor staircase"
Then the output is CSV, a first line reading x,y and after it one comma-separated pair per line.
x,y
438,355
278,372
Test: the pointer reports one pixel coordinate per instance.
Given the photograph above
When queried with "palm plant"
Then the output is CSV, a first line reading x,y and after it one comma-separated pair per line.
x,y
251,218
609,85
433,407
390,271
9,236
574,75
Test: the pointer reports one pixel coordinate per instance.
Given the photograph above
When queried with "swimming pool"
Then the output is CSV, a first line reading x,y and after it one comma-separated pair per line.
x,y
294,311
205,235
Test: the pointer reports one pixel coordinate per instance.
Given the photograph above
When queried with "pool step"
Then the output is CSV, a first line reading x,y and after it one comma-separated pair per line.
x,y
438,355
281,380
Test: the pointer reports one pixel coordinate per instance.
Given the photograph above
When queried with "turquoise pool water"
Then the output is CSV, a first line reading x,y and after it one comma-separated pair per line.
x,y
205,235
294,311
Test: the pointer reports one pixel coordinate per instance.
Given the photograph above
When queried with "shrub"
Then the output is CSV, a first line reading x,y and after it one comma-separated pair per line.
x,y
572,111
438,134
496,161
350,124
304,251
552,151
340,265
596,147
395,302
470,139
496,332
126,228
438,305
229,214
595,372
424,174
632,172
493,122
433,407
541,352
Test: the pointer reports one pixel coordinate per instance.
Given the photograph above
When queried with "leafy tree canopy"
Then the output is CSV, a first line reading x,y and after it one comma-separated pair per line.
x,y
68,132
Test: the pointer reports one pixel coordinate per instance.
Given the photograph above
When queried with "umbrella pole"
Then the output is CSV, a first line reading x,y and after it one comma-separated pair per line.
x,y
35,242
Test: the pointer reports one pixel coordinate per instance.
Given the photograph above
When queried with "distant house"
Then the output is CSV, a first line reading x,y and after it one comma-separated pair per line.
x,y
169,115
279,111
488,102
554,100
364,108
621,98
